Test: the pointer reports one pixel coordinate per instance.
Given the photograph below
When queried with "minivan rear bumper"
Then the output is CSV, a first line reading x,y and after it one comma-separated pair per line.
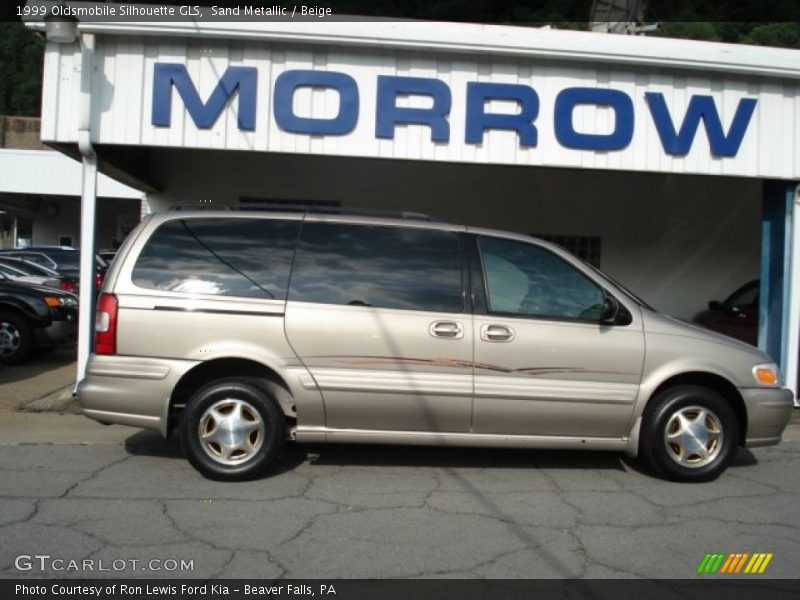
x,y
130,390
768,413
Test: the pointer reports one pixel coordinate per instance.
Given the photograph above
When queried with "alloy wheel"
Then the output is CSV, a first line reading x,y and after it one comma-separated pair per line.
x,y
231,431
10,338
693,436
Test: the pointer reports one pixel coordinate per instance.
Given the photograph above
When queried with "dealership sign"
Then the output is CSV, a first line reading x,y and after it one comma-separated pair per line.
x,y
677,130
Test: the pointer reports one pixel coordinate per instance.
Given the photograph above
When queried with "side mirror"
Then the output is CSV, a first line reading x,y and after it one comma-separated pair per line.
x,y
610,310
715,305
614,313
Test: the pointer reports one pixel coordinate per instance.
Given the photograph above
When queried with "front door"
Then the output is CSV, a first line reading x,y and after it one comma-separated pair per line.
x,y
377,315
544,363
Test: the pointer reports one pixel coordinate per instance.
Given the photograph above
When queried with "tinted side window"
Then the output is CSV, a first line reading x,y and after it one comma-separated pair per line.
x,y
387,267
229,257
524,279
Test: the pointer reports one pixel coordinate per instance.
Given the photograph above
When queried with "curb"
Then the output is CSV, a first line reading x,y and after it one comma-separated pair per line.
x,y
60,401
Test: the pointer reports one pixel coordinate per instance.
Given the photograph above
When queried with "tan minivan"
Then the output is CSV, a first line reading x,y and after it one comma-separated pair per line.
x,y
242,330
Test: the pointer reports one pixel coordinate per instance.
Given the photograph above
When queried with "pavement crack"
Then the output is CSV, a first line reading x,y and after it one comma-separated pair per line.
x,y
221,571
775,488
27,518
472,569
303,529
93,474
219,547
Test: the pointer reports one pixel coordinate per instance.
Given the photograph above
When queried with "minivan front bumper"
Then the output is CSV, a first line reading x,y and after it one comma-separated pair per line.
x,y
768,413
130,390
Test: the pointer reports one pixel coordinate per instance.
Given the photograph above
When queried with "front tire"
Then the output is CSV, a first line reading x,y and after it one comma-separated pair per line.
x,y
16,339
689,433
232,429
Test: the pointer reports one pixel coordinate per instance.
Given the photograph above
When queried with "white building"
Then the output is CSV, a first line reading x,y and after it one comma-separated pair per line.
x,y
40,192
672,164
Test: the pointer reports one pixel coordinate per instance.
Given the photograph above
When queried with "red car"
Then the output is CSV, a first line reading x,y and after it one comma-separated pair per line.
x,y
737,316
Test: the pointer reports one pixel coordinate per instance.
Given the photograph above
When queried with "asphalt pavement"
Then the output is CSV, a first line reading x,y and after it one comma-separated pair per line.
x,y
120,499
40,383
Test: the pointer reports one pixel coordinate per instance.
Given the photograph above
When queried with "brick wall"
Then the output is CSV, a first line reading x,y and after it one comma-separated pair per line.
x,y
22,133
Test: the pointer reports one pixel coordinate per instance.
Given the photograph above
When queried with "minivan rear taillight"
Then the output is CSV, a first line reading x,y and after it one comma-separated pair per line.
x,y
105,325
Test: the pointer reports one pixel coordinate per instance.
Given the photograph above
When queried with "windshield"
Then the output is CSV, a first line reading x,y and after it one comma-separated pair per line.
x,y
68,259
745,297
11,271
27,267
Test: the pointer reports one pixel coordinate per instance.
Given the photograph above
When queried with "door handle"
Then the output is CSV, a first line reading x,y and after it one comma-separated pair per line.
x,y
450,330
496,333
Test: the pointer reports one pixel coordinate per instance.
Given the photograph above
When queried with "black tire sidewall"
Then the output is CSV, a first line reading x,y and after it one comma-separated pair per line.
x,y
25,339
255,395
657,418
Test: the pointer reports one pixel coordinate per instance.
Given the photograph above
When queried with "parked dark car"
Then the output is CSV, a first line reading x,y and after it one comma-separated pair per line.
x,y
34,317
24,271
736,316
63,259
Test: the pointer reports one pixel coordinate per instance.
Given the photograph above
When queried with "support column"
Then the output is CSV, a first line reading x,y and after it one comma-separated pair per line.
x,y
779,305
87,291
792,344
88,207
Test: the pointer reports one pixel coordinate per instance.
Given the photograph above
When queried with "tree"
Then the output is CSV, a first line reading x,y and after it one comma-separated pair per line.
x,y
21,56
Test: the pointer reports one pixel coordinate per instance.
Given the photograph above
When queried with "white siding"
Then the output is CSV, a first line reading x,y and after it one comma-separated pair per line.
x,y
44,172
123,92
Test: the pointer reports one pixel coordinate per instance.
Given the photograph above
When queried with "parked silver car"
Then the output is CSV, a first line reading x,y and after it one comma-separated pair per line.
x,y
244,330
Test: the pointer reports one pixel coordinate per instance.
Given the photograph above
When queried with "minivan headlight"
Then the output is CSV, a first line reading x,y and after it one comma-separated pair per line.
x,y
768,374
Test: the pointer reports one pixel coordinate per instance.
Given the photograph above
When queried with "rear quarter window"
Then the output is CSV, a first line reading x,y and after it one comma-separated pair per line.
x,y
226,257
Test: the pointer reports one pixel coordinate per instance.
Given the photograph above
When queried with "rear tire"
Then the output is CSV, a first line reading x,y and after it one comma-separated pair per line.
x,y
16,339
232,429
689,433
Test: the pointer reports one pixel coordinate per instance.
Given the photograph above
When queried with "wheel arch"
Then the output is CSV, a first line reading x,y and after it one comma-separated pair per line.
x,y
21,310
222,368
712,381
